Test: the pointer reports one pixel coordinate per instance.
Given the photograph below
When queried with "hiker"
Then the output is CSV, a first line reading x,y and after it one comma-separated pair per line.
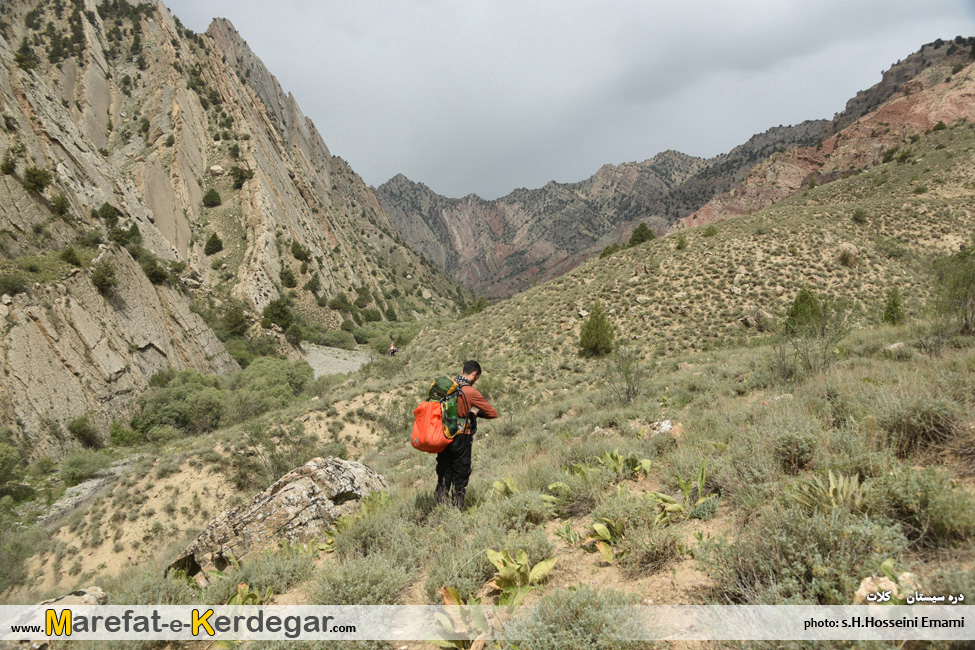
x,y
392,349
454,462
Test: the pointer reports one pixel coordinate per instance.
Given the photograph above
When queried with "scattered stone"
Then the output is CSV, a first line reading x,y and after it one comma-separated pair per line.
x,y
567,324
680,295
907,583
216,170
849,251
894,346
666,428
644,299
736,290
6,299
758,319
426,295
300,506
683,365
583,313
779,290
4,311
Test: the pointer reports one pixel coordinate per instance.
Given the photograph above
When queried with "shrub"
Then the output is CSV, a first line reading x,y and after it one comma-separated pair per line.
x,y
609,250
214,244
930,510
956,288
81,464
70,255
36,179
577,618
681,243
235,321
893,313
596,335
278,571
299,252
790,557
372,580
212,198
103,276
8,166
278,312
340,303
859,216
336,339
294,334
641,234
625,376
240,176
11,466
156,273
710,231
81,429
12,283
919,421
794,450
288,278
60,205
371,315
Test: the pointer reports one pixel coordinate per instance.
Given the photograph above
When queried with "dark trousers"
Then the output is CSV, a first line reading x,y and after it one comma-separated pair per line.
x,y
454,470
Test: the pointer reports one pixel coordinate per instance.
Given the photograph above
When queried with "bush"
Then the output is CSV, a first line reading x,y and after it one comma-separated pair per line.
x,y
610,250
240,176
300,253
8,166
790,557
859,216
625,376
681,243
156,273
11,466
36,179
931,510
81,464
60,205
596,336
214,245
235,321
12,284
918,422
294,334
641,234
893,313
288,279
577,618
335,339
212,198
86,434
278,312
372,580
956,288
70,255
103,276
794,450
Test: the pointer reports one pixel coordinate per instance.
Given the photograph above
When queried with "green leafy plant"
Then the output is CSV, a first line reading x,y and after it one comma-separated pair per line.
x,y
568,535
596,335
248,596
516,578
624,467
471,620
605,538
816,496
671,510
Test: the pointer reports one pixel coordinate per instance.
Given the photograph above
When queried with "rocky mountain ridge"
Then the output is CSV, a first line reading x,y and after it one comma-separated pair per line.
x,y
930,89
497,248
175,161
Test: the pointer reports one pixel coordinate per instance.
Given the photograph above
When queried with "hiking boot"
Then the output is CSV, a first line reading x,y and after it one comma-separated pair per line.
x,y
458,501
440,495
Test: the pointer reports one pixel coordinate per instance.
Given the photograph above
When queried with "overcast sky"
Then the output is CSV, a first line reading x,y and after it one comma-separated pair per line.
x,y
484,96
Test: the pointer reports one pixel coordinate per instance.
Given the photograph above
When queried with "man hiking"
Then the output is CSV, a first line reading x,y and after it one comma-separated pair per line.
x,y
454,462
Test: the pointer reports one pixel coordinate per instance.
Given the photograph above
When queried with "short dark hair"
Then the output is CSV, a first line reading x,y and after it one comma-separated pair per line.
x,y
471,367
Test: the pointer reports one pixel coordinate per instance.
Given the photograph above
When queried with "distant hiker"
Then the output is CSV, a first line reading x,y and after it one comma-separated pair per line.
x,y
392,349
454,462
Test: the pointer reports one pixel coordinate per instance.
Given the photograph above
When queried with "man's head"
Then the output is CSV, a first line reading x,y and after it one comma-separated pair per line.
x,y
472,370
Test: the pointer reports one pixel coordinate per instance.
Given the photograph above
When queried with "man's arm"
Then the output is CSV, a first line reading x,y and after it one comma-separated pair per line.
x,y
478,404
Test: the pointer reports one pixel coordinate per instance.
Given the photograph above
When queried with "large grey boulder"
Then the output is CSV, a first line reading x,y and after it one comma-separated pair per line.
x,y
299,507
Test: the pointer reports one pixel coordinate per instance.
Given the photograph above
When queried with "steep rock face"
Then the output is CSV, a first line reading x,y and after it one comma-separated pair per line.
x,y
943,90
135,118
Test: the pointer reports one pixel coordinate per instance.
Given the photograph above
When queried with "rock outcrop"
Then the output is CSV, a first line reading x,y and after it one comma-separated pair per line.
x,y
299,507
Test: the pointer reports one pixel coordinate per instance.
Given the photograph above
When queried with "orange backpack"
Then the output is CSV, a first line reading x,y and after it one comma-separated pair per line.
x,y
435,421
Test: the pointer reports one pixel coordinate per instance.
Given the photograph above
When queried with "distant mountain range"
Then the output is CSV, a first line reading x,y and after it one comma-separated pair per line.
x,y
500,247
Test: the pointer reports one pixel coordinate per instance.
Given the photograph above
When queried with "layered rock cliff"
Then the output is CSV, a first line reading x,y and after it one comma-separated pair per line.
x,y
151,174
